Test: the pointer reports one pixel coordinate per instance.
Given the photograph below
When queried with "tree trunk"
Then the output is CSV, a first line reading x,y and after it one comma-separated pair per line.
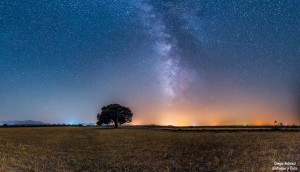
x,y
116,124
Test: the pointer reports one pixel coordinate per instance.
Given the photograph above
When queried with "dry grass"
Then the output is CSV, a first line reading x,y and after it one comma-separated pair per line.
x,y
127,149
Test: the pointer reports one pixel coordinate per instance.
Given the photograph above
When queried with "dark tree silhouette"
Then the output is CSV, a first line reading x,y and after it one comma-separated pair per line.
x,y
114,113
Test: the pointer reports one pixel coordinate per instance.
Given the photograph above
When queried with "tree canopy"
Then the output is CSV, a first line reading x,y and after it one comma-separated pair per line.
x,y
114,113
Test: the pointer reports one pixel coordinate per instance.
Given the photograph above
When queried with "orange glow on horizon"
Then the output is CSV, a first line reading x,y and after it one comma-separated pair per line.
x,y
210,119
255,113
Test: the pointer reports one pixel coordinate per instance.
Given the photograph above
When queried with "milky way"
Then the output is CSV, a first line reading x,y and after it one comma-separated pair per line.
x,y
175,79
168,62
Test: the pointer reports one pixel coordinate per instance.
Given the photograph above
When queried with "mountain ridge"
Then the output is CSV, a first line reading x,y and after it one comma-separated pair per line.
x,y
25,122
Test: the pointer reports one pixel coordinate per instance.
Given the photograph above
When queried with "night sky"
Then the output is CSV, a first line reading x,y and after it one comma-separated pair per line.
x,y
191,62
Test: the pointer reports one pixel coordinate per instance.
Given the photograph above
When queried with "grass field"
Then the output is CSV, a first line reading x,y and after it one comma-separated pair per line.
x,y
138,149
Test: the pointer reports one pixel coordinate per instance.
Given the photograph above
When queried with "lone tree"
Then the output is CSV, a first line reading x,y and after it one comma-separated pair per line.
x,y
114,113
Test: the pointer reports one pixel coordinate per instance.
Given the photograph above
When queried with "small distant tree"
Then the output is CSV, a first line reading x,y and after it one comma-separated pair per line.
x,y
114,113
5,125
275,122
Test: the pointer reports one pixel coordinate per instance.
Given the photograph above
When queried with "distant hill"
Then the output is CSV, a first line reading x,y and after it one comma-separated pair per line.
x,y
28,122
31,122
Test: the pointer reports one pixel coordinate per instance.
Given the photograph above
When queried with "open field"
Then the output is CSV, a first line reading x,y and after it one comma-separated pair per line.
x,y
143,149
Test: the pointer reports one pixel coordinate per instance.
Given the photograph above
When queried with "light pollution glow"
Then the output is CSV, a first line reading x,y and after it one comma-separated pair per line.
x,y
256,113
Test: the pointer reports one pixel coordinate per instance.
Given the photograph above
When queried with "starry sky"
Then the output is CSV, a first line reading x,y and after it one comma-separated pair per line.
x,y
186,62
